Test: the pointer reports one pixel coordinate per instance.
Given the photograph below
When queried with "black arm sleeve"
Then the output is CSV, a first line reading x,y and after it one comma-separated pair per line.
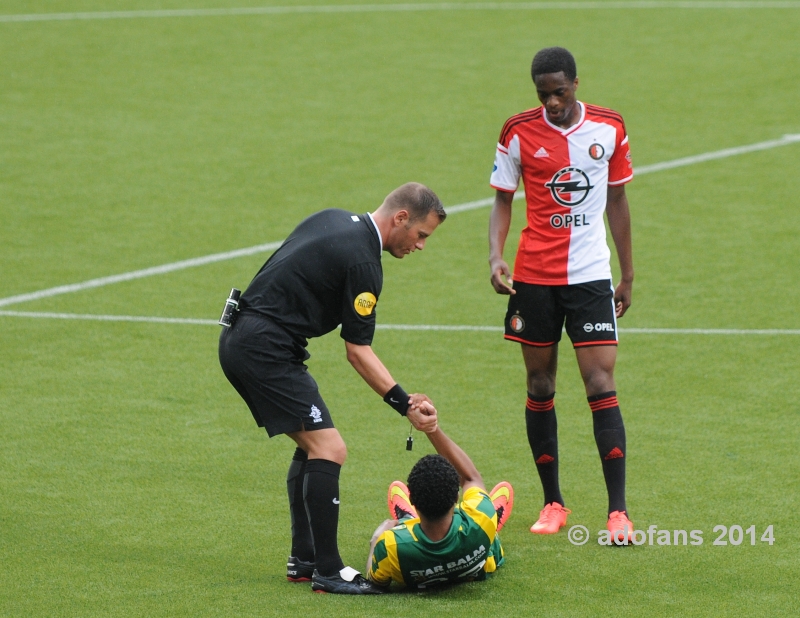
x,y
362,289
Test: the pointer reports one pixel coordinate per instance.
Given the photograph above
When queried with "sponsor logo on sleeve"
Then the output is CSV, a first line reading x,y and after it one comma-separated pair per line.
x,y
365,303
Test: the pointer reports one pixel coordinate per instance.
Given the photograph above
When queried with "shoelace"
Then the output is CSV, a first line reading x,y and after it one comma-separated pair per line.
x,y
620,518
400,512
551,512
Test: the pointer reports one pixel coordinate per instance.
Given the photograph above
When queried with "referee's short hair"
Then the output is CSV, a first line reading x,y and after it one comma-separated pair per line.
x,y
417,199
554,60
433,486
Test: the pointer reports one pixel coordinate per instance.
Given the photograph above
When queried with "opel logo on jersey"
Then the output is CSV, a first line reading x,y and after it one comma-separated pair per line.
x,y
596,151
569,186
365,303
559,221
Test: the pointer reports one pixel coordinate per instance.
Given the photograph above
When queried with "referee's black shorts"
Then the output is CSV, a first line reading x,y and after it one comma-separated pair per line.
x,y
538,313
265,365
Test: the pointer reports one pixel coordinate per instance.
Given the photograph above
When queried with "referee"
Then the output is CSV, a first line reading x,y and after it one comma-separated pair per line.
x,y
326,273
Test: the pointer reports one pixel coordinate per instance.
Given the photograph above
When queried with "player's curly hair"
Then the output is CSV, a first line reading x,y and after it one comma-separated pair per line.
x,y
554,60
433,485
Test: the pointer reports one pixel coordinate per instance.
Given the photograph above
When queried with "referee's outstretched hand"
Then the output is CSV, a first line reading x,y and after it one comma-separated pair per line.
x,y
422,414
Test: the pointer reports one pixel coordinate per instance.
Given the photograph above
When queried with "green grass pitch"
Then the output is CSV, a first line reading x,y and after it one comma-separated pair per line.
x,y
133,481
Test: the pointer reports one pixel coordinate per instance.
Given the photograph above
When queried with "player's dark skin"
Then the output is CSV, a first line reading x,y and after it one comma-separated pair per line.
x,y
437,529
557,94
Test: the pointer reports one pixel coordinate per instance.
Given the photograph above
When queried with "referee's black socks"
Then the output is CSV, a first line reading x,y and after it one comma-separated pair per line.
x,y
321,494
302,544
609,434
540,421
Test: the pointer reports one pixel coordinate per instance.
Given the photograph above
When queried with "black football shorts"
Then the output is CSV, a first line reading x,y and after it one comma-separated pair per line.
x,y
265,365
538,313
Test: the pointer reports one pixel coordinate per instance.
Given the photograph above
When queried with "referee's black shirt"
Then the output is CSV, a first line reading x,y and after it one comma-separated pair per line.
x,y
327,272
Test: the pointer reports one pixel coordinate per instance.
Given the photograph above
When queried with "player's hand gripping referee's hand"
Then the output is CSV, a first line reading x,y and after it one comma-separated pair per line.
x,y
422,414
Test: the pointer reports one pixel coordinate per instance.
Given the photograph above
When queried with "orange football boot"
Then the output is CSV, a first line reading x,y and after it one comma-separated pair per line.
x,y
399,502
551,519
620,527
502,497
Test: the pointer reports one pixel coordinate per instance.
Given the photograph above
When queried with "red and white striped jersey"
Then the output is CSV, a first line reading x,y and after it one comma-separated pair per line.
x,y
566,173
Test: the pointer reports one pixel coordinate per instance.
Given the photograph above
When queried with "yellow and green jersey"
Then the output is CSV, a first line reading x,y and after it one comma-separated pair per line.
x,y
469,551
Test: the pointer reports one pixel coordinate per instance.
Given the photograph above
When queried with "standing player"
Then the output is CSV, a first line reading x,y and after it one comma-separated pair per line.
x,y
574,160
430,540
326,273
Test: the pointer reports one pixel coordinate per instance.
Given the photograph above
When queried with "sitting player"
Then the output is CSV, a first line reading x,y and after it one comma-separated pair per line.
x,y
430,540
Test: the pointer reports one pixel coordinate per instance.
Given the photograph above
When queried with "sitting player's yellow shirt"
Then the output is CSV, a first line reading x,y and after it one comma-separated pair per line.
x,y
470,549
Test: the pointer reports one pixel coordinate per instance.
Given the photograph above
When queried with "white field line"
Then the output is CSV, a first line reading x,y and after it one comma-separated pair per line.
x,y
718,154
106,318
138,274
656,167
398,8
710,331
403,327
627,331
271,246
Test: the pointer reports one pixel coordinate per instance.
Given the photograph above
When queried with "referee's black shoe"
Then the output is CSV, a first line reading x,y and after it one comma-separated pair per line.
x,y
299,570
346,581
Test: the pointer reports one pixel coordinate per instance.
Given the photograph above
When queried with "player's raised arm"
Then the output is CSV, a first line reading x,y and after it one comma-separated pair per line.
x,y
374,372
499,224
444,445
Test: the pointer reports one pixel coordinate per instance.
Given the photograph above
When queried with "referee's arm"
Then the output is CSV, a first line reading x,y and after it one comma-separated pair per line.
x,y
369,366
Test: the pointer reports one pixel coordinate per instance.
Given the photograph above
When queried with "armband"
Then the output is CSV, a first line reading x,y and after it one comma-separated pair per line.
x,y
398,399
